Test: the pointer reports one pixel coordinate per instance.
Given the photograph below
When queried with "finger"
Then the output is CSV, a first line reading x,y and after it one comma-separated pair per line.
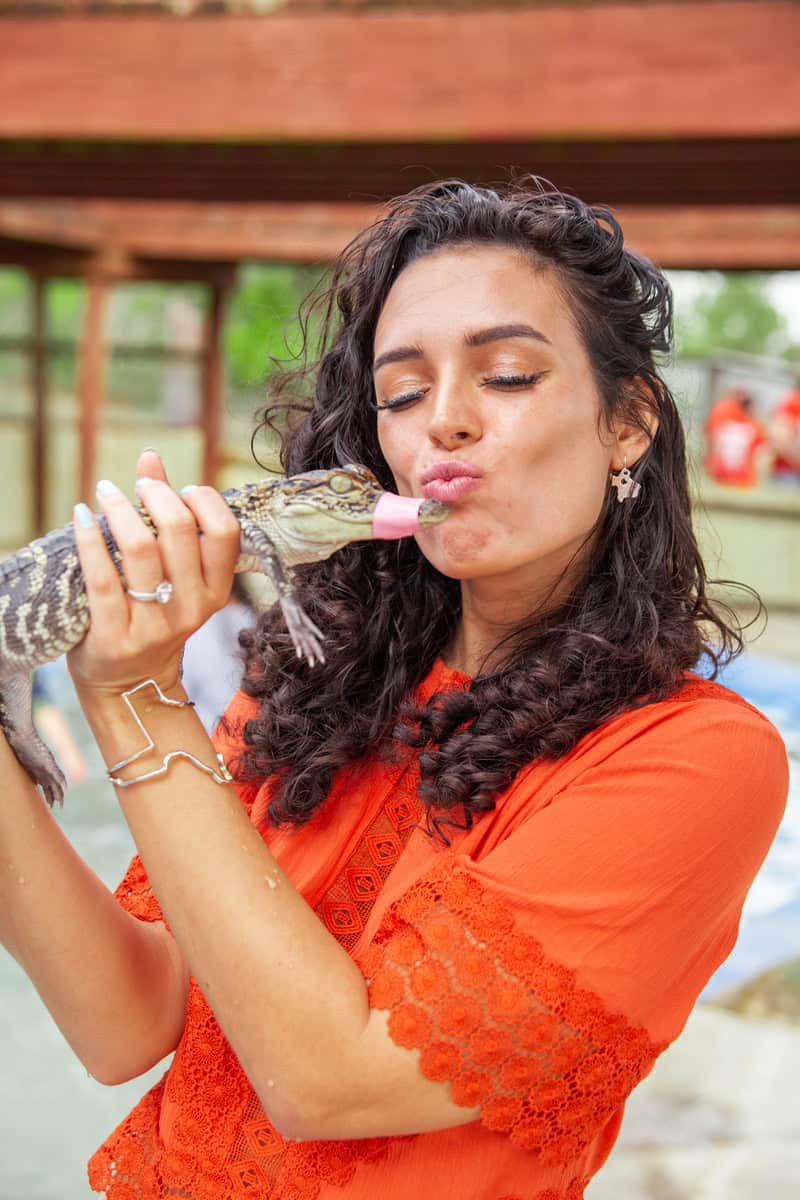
x,y
219,545
150,466
108,603
178,540
141,558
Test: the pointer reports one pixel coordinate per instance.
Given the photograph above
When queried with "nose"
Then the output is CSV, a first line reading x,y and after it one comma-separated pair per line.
x,y
454,419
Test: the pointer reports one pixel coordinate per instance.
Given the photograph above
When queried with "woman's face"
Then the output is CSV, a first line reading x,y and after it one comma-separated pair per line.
x,y
477,362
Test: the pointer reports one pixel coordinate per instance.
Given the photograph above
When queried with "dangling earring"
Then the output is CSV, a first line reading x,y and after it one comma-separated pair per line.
x,y
625,484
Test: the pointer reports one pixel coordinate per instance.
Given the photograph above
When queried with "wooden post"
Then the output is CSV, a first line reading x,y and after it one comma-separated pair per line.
x,y
90,385
213,383
38,379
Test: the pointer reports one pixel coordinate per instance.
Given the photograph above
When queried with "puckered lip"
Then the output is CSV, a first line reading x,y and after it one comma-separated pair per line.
x,y
450,468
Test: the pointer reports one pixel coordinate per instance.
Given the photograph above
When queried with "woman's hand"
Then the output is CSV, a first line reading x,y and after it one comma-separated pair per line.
x,y
130,640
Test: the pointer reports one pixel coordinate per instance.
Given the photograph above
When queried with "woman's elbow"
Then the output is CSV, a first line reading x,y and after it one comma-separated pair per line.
x,y
114,1069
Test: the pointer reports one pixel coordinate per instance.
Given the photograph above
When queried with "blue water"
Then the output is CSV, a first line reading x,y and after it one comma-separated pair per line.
x,y
770,926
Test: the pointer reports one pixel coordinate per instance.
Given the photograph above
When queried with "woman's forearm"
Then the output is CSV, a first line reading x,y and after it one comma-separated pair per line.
x,y
290,1000
115,986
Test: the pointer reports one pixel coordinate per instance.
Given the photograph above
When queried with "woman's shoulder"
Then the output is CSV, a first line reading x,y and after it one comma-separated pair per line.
x,y
704,744
702,732
701,715
705,704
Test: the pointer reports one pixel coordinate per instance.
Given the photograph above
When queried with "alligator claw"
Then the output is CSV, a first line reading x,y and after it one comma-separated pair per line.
x,y
304,633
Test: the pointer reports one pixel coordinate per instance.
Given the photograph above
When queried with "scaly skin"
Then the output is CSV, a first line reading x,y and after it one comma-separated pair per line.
x,y
44,610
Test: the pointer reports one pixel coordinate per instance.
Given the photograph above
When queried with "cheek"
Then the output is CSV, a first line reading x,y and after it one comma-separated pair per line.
x,y
395,452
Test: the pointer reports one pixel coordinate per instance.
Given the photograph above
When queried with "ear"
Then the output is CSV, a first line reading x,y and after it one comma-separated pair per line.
x,y
635,426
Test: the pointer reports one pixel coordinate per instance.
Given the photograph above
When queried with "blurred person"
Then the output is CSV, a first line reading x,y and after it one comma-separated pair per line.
x,y
784,434
53,727
476,867
737,445
212,661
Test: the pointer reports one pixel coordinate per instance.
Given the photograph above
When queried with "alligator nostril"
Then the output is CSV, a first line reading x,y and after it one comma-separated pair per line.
x,y
431,512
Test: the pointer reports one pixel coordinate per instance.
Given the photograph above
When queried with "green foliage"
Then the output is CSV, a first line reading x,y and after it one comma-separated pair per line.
x,y
14,302
65,303
262,323
733,313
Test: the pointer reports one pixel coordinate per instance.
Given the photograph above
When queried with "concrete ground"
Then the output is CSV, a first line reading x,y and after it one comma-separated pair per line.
x,y
717,1119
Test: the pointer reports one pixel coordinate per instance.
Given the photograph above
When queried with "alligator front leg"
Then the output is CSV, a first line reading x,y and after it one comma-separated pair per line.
x,y
17,724
304,633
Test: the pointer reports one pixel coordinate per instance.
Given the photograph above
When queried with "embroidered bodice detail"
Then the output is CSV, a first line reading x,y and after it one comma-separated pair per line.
x,y
346,905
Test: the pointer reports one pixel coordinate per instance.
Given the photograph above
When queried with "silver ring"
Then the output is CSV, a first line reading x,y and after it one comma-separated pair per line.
x,y
161,595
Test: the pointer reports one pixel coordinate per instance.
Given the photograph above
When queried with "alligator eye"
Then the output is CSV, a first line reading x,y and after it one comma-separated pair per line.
x,y
341,483
362,472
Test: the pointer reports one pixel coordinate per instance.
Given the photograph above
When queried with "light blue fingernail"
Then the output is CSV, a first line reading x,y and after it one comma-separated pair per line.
x,y
144,481
106,488
84,515
189,488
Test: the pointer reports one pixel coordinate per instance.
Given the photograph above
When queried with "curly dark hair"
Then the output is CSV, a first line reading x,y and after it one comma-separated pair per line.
x,y
625,632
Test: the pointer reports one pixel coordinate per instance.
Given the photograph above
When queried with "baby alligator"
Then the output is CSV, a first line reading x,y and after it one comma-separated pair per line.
x,y
44,610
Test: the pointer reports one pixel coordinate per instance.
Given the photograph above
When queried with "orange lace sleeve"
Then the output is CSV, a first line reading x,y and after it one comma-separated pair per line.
x,y
542,981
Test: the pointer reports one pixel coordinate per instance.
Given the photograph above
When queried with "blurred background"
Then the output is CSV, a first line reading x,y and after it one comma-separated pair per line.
x,y
176,176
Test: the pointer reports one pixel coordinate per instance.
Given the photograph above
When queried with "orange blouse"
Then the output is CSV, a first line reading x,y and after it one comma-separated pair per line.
x,y
540,964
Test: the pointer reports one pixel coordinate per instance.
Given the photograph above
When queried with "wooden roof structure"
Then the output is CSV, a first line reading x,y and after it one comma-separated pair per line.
x,y
143,140
690,103
284,122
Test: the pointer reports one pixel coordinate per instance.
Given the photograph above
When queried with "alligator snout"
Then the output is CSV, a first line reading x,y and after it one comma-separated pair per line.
x,y
400,516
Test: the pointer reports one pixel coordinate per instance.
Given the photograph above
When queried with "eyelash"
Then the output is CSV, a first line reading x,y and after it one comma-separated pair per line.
x,y
501,381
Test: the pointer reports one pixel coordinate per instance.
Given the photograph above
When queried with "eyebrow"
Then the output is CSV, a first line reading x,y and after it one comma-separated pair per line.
x,y
481,337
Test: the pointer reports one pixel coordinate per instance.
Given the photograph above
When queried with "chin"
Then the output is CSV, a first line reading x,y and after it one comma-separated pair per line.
x,y
459,552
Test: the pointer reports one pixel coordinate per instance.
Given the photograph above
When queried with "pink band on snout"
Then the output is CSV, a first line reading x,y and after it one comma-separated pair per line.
x,y
396,516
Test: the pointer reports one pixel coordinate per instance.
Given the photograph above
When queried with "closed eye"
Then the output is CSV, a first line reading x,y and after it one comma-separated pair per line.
x,y
513,381
402,401
499,381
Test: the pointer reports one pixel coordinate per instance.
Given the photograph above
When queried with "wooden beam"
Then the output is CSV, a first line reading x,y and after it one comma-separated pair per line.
x,y
183,236
765,237
162,240
101,262
38,372
90,386
213,384
711,68
656,171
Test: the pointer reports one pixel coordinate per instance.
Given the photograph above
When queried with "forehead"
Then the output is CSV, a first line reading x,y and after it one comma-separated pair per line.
x,y
464,288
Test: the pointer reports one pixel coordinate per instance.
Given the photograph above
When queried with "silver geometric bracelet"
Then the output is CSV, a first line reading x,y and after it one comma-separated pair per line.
x,y
221,776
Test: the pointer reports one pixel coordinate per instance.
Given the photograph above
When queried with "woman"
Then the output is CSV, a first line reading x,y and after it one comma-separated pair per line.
x,y
476,868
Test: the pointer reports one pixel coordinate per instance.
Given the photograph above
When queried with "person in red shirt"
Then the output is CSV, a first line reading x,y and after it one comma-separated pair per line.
x,y
735,441
784,434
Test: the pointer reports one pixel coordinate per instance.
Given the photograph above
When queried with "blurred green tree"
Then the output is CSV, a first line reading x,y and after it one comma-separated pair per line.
x,y
734,313
13,302
262,323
